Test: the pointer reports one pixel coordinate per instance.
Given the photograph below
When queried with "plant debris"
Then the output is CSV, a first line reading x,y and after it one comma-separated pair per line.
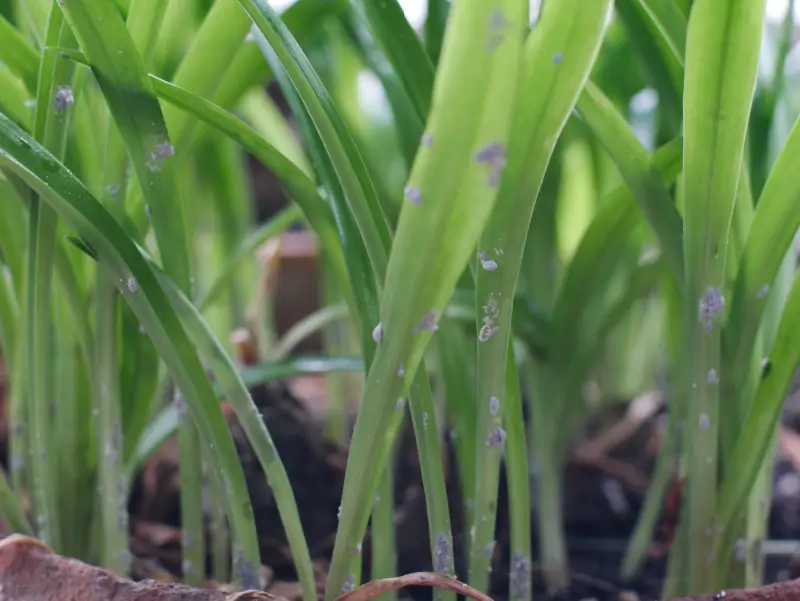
x,y
30,571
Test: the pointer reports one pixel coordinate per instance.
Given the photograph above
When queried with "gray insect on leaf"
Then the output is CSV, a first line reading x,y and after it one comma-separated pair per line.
x,y
496,438
494,156
63,99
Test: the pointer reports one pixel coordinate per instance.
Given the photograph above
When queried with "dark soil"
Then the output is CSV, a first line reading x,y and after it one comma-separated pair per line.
x,y
600,509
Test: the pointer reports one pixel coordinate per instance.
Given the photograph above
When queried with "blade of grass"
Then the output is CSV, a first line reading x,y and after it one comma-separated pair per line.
x,y
13,231
18,54
307,326
249,69
748,456
14,99
150,150
39,169
559,55
460,401
261,112
11,510
426,432
9,318
280,222
144,21
456,189
435,23
519,577
435,492
139,377
212,352
598,251
138,128
383,530
403,50
661,68
341,148
32,19
297,184
671,22
212,49
408,124
361,283
722,49
54,97
633,162
773,228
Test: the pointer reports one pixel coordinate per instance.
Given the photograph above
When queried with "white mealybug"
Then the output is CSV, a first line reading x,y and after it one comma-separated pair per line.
x,y
413,194
496,437
63,99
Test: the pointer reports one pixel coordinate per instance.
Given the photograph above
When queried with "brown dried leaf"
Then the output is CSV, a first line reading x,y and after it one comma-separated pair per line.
x,y
30,571
372,590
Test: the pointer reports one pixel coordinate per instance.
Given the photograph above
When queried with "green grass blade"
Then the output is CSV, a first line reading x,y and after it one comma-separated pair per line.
x,y
339,144
633,162
249,69
661,69
277,224
11,509
139,378
435,24
403,49
213,353
39,169
123,79
309,325
748,456
362,284
384,534
122,76
297,184
144,22
212,49
426,432
774,225
722,50
519,578
671,22
53,101
262,113
641,540
460,402
597,253
9,317
13,99
408,124
13,232
559,55
18,54
450,193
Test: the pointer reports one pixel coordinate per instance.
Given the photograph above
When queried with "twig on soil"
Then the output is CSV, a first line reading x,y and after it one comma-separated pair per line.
x,y
628,474
641,409
30,571
374,589
789,590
